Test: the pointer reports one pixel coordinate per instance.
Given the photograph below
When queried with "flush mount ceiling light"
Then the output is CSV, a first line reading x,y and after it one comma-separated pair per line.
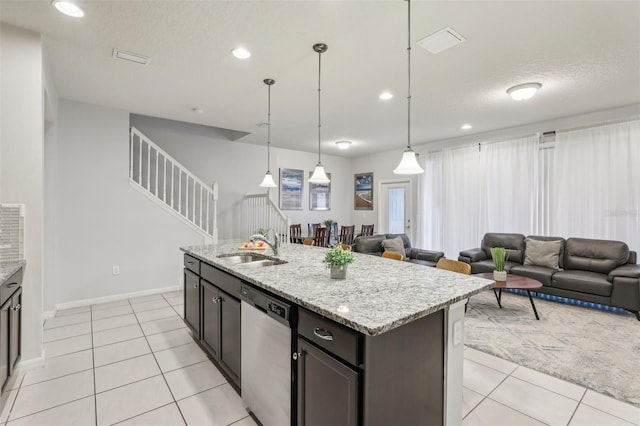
x,y
385,96
241,53
319,175
129,56
525,91
268,182
343,144
409,163
466,126
68,8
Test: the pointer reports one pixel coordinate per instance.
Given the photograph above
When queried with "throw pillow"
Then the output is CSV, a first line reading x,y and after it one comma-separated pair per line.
x,y
542,253
394,244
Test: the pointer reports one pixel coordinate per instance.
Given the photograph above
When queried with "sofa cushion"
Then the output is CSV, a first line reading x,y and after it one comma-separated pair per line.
x,y
514,243
539,273
370,244
394,244
582,281
542,238
595,255
422,262
542,253
488,266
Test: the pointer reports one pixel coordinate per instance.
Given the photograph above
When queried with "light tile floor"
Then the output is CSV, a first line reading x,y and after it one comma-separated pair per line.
x,y
133,362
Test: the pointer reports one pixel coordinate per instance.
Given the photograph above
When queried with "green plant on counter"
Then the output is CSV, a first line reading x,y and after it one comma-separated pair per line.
x,y
499,256
328,223
336,256
263,231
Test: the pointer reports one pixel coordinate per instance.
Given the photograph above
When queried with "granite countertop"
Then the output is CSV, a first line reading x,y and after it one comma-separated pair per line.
x,y
9,267
378,295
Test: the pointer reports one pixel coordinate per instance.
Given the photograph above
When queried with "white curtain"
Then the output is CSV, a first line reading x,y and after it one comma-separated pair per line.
x,y
596,188
469,191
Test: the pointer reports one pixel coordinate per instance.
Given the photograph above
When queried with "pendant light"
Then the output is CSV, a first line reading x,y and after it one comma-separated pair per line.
x,y
319,175
268,182
409,163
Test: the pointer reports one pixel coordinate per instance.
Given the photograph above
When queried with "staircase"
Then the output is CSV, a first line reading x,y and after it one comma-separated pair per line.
x,y
160,177
264,213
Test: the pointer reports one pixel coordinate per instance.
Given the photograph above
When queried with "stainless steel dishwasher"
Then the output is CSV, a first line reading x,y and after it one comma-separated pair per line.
x,y
266,357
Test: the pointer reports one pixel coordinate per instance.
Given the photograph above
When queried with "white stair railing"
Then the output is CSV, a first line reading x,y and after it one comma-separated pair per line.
x,y
263,213
159,176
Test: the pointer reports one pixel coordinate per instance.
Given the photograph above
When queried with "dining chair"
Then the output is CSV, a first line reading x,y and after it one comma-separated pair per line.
x,y
455,266
312,229
295,233
320,237
307,241
346,234
392,255
366,230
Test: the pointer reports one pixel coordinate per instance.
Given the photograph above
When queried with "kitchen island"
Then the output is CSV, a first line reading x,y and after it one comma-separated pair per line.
x,y
402,324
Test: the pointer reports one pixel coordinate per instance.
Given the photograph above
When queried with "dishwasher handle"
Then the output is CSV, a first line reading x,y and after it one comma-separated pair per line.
x,y
323,333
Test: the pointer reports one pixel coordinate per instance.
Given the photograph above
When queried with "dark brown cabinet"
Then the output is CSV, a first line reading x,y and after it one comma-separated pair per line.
x,y
211,319
230,335
192,302
327,389
10,326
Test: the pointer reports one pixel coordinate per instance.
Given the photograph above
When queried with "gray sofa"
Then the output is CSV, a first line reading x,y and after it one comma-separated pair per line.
x,y
598,271
373,245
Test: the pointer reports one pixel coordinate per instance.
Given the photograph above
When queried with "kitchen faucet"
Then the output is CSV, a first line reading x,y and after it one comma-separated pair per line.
x,y
274,245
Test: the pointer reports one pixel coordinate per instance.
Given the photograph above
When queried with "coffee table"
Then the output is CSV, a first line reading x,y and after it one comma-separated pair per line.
x,y
516,282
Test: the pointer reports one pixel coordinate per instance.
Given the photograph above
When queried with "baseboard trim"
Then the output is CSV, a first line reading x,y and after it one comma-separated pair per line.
x,y
48,314
115,297
32,363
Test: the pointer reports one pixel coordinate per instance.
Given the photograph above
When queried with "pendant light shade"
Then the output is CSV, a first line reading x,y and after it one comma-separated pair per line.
x,y
319,175
268,182
409,162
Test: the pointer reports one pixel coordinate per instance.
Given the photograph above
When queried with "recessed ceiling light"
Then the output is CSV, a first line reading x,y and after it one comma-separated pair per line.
x,y
343,144
130,56
385,96
241,53
466,126
524,91
68,8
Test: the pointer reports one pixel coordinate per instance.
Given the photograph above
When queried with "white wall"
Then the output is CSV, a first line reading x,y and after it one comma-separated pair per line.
x,y
100,220
21,164
239,168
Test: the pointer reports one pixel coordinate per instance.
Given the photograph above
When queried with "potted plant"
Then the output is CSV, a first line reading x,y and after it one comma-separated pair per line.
x,y
337,259
499,256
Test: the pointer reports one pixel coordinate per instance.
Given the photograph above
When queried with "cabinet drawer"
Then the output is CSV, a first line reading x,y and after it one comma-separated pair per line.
x,y
192,264
221,279
10,286
335,338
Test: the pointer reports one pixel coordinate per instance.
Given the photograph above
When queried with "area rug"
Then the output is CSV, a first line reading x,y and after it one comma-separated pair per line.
x,y
596,349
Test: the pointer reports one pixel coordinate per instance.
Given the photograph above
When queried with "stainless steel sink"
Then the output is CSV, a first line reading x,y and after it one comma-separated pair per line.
x,y
251,259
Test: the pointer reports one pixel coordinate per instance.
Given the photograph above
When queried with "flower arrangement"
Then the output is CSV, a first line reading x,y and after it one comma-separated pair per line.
x,y
338,257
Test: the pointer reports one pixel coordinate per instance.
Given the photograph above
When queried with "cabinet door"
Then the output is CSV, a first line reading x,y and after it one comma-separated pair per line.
x,y
15,333
4,343
230,335
192,302
211,319
327,389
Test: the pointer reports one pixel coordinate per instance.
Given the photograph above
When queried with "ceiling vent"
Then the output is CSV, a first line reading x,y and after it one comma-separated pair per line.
x,y
441,41
128,56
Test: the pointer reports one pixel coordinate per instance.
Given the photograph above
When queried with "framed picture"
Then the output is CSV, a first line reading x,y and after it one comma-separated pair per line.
x,y
291,189
363,191
320,195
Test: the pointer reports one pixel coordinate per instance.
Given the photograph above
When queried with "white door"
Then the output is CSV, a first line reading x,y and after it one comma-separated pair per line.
x,y
395,211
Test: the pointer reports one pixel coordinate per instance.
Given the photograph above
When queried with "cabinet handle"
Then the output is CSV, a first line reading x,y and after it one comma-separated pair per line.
x,y
190,262
195,286
323,333
17,307
215,299
12,284
297,355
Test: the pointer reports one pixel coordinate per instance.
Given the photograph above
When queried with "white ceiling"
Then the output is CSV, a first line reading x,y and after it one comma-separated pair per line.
x,y
586,54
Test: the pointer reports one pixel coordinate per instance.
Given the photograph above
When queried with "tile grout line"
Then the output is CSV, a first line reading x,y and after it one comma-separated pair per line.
x,y
93,363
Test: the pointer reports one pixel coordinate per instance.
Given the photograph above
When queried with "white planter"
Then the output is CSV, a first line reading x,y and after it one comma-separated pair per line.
x,y
338,273
500,275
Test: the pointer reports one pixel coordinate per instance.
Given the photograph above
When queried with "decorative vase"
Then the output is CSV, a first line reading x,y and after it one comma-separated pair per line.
x,y
500,275
338,273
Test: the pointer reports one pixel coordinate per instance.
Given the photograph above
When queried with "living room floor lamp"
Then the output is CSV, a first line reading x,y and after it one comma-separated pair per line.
x,y
409,163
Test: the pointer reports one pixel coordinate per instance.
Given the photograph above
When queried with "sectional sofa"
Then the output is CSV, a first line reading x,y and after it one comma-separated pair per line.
x,y
377,244
591,270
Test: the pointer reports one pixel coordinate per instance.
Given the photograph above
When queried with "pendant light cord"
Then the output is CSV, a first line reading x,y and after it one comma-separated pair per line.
x,y
409,75
269,130
319,125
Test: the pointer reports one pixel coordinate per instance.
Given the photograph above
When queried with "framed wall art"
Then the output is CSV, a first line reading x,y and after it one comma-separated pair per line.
x,y
363,191
320,195
291,189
